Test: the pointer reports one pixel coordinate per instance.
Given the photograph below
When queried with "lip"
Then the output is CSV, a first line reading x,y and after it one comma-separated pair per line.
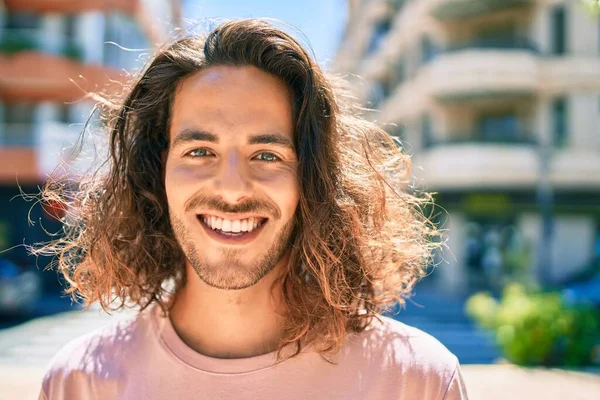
x,y
231,240
230,216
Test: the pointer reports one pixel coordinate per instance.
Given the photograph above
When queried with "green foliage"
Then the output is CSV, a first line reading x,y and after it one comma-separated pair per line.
x,y
592,5
14,42
536,328
73,51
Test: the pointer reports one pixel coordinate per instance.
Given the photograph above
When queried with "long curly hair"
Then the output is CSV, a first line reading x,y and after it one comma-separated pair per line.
x,y
363,237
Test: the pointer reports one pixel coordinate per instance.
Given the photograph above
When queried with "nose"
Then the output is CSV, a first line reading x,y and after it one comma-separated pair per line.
x,y
233,183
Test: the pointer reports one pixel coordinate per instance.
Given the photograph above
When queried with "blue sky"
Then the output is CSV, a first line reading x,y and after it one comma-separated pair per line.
x,y
321,21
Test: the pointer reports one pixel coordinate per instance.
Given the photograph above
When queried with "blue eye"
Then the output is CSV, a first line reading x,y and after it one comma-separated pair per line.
x,y
196,153
267,157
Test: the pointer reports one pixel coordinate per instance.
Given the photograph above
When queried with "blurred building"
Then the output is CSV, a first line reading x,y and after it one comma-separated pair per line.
x,y
498,101
51,53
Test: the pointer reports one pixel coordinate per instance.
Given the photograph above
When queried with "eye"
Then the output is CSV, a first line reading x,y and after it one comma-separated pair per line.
x,y
198,153
267,157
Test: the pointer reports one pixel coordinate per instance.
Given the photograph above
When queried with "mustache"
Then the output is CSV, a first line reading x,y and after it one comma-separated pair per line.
x,y
218,204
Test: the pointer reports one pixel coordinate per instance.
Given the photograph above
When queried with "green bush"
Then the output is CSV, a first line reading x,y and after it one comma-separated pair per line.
x,y
15,42
73,51
538,328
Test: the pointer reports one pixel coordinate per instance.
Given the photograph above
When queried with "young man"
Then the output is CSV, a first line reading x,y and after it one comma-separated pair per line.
x,y
259,227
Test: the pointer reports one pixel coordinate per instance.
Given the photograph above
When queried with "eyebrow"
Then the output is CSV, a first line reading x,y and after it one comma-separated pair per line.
x,y
275,139
195,135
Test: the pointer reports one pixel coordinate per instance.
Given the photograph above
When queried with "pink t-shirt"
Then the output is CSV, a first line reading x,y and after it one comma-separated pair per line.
x,y
144,358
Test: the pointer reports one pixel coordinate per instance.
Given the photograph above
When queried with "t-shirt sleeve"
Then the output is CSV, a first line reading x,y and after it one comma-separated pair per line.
x,y
42,395
457,389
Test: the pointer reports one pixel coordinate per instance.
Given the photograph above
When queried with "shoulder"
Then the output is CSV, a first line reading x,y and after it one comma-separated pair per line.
x,y
410,361
100,353
409,345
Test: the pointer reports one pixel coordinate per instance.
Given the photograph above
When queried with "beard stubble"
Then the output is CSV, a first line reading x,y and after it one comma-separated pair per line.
x,y
231,273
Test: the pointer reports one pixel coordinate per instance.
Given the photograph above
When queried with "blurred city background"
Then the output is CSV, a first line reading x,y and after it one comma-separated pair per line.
x,y
497,102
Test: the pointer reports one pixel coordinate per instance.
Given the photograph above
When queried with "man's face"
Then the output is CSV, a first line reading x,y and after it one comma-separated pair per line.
x,y
230,174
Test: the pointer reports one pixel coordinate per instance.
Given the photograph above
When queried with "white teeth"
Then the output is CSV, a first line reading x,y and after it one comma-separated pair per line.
x,y
226,225
235,226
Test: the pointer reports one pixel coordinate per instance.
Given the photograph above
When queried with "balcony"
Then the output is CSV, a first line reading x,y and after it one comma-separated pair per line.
x,y
32,76
14,41
71,6
32,151
19,164
575,168
55,146
500,162
509,43
515,138
483,68
462,163
458,9
147,12
492,67
38,66
17,135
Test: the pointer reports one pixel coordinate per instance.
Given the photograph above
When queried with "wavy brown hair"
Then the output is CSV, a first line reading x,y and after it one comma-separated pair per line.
x,y
362,237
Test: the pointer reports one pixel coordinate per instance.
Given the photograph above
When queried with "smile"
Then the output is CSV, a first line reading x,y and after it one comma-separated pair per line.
x,y
231,231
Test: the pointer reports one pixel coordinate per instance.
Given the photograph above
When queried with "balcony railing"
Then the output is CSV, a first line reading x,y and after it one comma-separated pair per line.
x,y
524,44
458,9
500,43
507,138
17,40
17,135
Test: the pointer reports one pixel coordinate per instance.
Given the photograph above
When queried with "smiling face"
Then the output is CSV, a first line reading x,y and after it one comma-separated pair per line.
x,y
230,174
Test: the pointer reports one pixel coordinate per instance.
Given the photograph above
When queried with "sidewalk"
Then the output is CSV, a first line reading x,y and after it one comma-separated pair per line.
x,y
25,350
507,381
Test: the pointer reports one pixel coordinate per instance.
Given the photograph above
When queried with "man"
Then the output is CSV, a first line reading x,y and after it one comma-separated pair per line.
x,y
259,227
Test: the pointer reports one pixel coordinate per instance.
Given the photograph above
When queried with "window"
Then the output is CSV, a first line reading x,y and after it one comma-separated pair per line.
x,y
397,131
426,131
380,91
502,36
4,235
381,30
63,113
597,241
560,122
495,250
499,127
397,4
22,20
427,50
70,25
376,95
400,72
19,121
559,30
122,31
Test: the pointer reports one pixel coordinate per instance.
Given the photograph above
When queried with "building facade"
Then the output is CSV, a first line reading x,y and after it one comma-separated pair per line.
x,y
52,53
498,102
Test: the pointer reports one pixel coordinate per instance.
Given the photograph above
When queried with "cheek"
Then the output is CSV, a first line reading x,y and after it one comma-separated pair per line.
x,y
282,187
180,182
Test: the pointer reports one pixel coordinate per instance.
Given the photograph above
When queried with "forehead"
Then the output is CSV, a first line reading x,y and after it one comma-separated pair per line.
x,y
226,100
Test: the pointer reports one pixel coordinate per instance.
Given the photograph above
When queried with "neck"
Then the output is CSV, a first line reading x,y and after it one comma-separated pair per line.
x,y
230,323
